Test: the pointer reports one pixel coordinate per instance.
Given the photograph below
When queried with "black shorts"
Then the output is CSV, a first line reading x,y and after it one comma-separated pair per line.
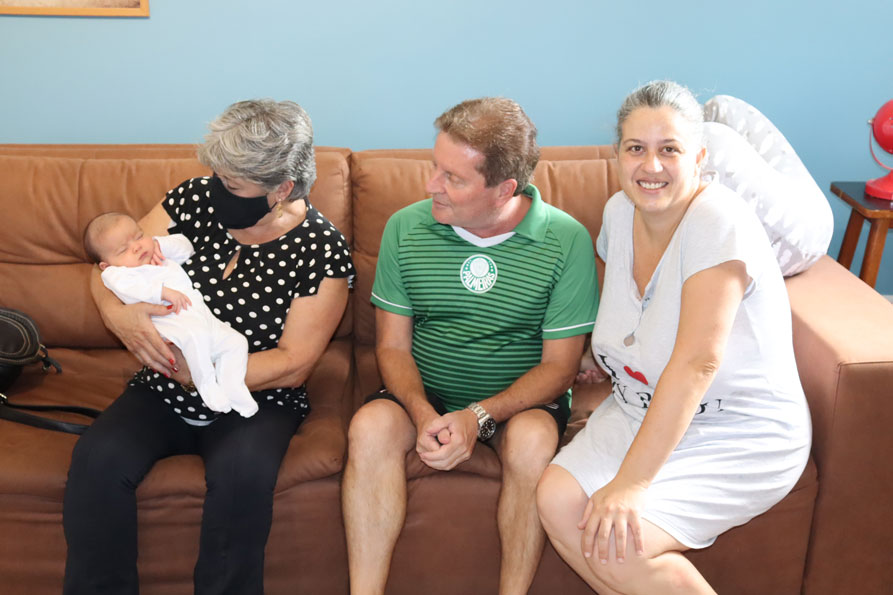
x,y
558,409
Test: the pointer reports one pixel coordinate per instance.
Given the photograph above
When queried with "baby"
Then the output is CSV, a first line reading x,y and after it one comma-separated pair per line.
x,y
138,268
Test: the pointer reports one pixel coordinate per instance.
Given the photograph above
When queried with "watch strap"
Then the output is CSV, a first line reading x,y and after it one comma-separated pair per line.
x,y
483,419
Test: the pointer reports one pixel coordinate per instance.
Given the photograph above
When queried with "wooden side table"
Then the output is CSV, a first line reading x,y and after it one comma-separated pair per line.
x,y
878,212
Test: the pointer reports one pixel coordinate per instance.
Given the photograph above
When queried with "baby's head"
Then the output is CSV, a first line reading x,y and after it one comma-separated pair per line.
x,y
115,239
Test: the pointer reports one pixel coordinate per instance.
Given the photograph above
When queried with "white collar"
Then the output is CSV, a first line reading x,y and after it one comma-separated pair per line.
x,y
479,241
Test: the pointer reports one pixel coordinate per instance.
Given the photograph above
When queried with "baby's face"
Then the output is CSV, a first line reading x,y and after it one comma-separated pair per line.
x,y
124,245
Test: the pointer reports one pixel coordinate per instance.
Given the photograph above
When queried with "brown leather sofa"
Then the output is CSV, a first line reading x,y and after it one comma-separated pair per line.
x,y
831,535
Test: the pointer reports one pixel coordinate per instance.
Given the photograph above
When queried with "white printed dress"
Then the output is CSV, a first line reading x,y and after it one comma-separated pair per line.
x,y
749,440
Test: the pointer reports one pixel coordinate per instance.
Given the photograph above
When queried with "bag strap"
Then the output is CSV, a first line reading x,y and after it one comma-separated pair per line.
x,y
11,412
47,361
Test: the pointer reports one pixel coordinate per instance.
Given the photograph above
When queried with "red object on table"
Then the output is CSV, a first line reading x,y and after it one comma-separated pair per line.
x,y
882,130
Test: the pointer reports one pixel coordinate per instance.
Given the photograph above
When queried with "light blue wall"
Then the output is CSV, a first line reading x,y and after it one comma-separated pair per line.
x,y
375,74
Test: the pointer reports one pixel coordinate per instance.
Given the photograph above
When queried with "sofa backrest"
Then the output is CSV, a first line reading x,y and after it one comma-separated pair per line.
x,y
578,180
48,193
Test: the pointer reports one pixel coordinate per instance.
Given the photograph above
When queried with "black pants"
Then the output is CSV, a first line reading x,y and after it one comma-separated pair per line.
x,y
242,458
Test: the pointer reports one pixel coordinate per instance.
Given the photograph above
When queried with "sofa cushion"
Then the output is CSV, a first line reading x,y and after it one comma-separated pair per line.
x,y
381,185
579,187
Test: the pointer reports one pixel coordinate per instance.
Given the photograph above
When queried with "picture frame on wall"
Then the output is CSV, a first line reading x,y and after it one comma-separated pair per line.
x,y
96,8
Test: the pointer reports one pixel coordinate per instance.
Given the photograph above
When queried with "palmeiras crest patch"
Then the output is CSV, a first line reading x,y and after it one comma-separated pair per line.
x,y
478,273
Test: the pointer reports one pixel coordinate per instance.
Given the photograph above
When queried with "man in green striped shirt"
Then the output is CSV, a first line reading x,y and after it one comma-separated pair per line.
x,y
484,295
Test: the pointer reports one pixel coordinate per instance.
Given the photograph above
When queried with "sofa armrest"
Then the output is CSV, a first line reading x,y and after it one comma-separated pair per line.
x,y
843,340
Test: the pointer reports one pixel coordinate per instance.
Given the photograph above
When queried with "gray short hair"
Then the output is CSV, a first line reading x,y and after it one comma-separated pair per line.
x,y
500,130
657,94
264,141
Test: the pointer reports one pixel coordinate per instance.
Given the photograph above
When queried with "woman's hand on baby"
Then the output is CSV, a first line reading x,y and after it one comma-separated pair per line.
x,y
157,256
178,300
612,513
133,325
181,368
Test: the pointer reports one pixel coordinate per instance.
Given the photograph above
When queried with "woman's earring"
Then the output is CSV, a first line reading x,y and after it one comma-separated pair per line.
x,y
279,208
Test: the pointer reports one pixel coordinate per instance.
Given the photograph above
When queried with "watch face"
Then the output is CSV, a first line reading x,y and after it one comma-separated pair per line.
x,y
487,429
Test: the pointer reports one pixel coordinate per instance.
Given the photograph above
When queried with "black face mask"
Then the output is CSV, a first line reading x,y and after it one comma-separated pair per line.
x,y
236,212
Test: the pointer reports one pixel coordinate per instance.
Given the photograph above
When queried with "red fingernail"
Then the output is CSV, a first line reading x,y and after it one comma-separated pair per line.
x,y
171,360
171,306
166,375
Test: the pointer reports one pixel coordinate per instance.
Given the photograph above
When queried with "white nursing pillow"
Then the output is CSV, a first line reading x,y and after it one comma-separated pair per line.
x,y
748,154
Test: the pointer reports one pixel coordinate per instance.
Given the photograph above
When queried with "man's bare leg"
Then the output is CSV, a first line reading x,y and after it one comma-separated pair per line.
x,y
525,445
373,491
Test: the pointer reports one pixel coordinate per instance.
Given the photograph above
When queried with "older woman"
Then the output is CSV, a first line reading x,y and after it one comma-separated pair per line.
x,y
276,270
707,425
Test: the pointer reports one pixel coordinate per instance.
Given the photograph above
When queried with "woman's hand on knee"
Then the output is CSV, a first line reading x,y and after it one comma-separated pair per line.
x,y
612,512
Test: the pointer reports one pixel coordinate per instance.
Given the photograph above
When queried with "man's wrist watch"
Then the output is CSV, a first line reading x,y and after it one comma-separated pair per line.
x,y
486,423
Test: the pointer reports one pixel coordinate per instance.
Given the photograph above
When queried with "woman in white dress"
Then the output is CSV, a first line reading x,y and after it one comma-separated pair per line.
x,y
707,425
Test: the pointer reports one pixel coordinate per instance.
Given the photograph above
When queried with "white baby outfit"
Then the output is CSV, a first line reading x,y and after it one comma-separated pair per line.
x,y
217,354
749,441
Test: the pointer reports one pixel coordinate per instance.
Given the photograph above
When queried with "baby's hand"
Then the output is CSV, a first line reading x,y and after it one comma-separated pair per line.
x,y
157,256
178,300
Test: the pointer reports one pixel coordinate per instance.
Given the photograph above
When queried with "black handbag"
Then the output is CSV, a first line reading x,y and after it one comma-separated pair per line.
x,y
20,346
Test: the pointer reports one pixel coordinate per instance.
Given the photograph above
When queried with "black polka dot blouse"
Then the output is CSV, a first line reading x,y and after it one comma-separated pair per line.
x,y
256,297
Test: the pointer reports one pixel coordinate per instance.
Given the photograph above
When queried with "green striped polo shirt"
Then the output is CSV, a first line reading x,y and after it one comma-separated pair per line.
x,y
480,314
